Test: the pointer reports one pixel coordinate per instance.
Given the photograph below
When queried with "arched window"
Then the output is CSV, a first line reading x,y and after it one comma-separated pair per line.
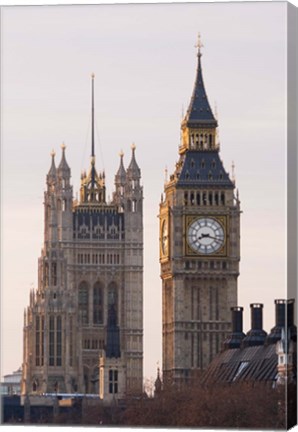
x,y
86,378
113,297
59,342
84,302
95,380
97,304
222,199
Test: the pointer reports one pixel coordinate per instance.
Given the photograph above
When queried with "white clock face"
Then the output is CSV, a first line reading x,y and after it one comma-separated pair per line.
x,y
164,238
205,235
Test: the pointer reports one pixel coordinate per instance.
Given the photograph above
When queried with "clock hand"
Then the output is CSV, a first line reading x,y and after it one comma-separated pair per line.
x,y
209,236
204,236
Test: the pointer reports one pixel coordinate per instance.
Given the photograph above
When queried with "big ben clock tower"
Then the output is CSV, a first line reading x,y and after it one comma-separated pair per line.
x,y
199,245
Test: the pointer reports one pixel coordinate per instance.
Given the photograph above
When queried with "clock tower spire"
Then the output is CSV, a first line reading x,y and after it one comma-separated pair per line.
x,y
199,245
199,124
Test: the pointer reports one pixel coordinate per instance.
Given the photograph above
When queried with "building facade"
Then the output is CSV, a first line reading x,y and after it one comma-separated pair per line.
x,y
89,301
199,245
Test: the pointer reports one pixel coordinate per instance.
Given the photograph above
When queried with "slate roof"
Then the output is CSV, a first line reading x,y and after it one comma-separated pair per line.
x,y
203,168
199,111
257,363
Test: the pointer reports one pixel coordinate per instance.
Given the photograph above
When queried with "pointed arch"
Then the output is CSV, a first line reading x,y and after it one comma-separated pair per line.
x,y
98,301
83,302
113,297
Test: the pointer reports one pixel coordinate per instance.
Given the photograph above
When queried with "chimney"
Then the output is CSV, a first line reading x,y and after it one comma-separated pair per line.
x,y
234,340
284,318
256,336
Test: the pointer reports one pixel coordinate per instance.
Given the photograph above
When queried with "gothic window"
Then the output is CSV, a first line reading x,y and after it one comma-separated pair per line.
x,y
201,140
113,297
46,274
222,199
42,342
37,340
55,341
58,204
70,341
197,140
113,381
204,198
192,198
95,380
86,379
210,141
210,198
59,342
83,302
185,198
64,205
54,274
216,198
51,341
97,304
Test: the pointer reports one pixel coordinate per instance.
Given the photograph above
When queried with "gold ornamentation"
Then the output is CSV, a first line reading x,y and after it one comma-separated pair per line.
x,y
199,43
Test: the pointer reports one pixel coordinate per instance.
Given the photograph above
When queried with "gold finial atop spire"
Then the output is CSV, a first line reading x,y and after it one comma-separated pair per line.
x,y
166,174
63,146
199,44
93,75
133,146
53,153
121,154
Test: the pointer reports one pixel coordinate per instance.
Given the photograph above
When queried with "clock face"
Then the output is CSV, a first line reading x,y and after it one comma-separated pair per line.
x,y
205,235
164,238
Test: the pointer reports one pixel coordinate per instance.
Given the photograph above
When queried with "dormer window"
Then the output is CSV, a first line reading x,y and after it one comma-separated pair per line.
x,y
213,164
203,163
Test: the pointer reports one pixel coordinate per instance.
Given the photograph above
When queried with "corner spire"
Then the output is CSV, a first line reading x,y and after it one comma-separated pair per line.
x,y
133,169
63,166
53,171
121,173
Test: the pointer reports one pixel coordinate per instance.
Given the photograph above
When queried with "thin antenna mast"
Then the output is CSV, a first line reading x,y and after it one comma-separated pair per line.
x,y
92,138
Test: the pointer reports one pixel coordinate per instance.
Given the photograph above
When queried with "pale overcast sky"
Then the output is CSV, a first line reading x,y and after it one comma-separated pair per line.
x,y
144,61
